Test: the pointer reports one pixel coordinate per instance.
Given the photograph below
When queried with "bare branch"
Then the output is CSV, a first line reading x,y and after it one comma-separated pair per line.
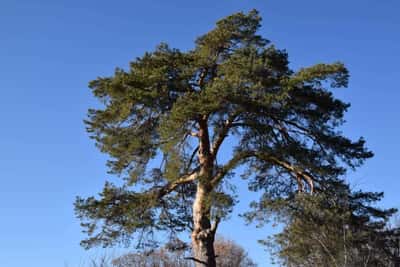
x,y
196,260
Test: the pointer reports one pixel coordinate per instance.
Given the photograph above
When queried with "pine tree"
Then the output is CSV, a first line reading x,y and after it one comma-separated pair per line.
x,y
180,108
336,227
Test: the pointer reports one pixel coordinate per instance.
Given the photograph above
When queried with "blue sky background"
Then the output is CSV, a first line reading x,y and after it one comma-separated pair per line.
x,y
49,50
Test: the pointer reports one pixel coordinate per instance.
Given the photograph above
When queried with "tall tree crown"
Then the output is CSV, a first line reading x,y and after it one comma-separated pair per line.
x,y
181,106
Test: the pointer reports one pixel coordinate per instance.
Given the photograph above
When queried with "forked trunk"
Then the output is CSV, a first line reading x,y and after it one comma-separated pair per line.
x,y
203,234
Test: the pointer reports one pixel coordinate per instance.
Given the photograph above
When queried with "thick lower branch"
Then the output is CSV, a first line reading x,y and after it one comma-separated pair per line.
x,y
168,188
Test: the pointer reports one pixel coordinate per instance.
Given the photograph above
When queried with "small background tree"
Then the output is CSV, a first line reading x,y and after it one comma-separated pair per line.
x,y
229,254
333,228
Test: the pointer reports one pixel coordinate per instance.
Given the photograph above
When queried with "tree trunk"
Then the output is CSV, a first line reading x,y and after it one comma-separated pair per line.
x,y
203,234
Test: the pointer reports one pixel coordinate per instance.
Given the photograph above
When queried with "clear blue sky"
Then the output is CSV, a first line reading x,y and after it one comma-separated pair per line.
x,y
49,50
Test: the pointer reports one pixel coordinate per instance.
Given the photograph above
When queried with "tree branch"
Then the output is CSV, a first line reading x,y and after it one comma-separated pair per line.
x,y
194,134
192,157
235,160
298,172
222,134
215,224
168,188
202,76
196,260
204,144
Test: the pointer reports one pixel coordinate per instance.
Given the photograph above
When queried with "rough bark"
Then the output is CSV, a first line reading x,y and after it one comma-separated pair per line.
x,y
203,233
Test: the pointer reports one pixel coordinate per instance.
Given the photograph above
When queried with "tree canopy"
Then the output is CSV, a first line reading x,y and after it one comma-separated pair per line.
x,y
164,121
337,227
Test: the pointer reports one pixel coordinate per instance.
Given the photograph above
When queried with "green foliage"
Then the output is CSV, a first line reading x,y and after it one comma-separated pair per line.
x,y
233,82
333,228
